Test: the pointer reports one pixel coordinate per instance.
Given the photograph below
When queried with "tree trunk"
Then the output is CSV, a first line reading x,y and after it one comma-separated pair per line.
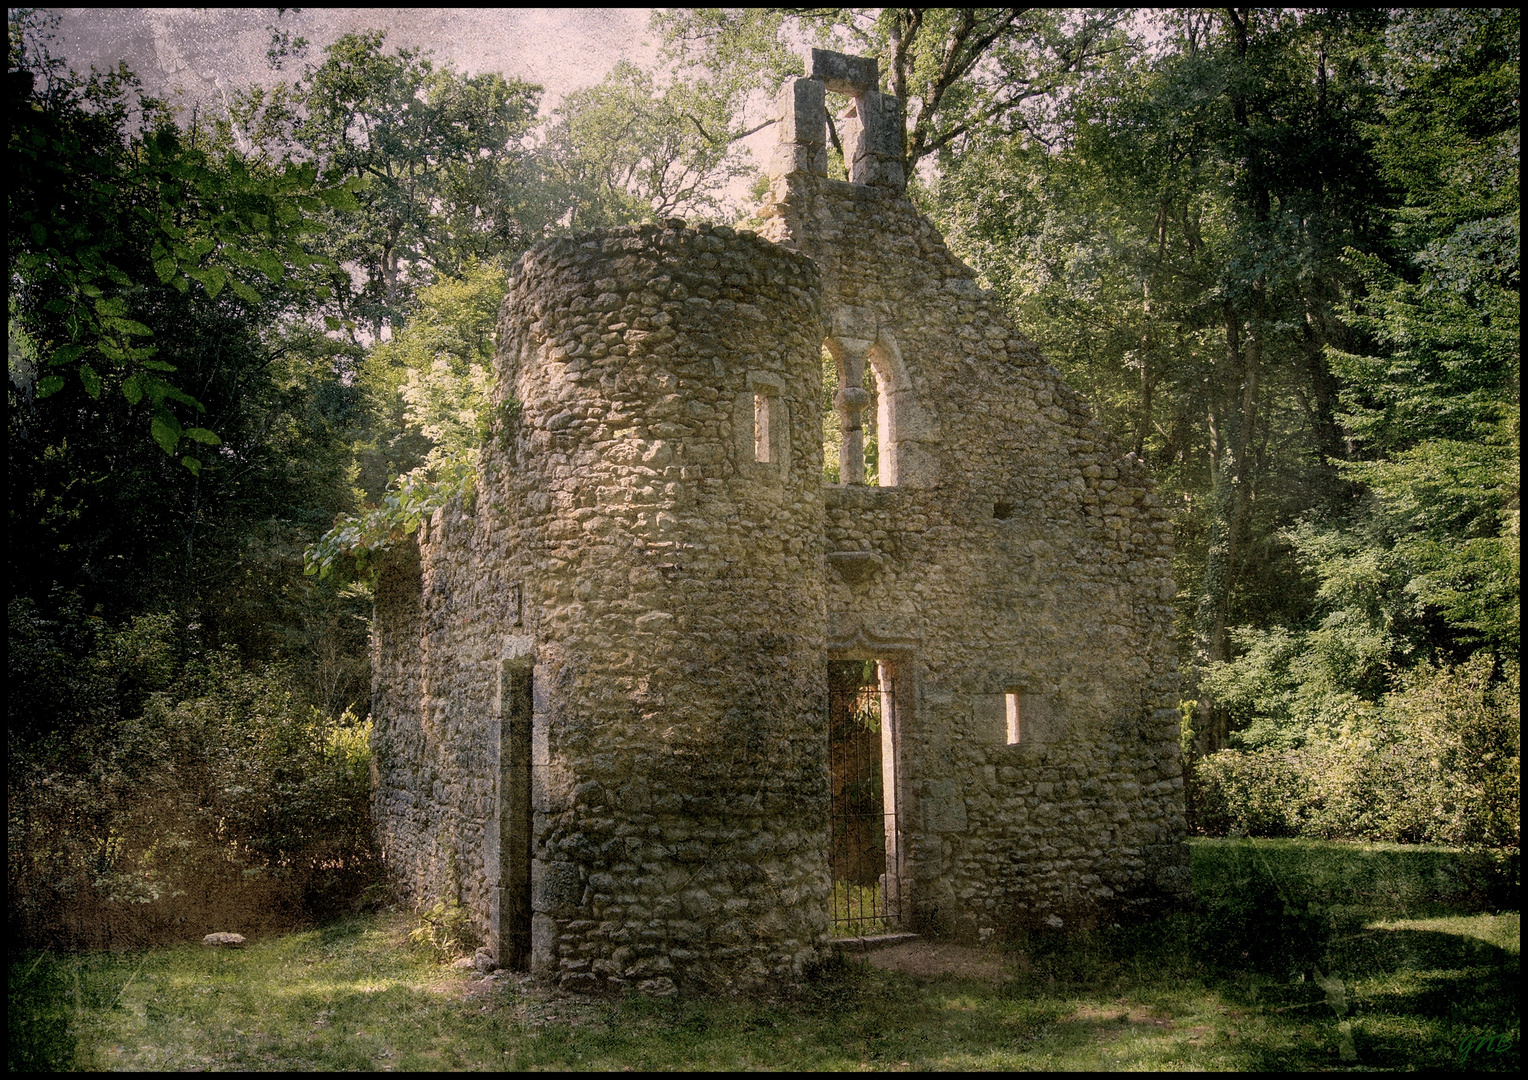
x,y
1148,343
1232,424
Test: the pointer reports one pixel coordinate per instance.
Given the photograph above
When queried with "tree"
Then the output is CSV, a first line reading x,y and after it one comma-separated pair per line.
x,y
141,588
428,386
111,523
1177,244
1418,575
1434,404
626,150
439,163
428,391
99,215
961,73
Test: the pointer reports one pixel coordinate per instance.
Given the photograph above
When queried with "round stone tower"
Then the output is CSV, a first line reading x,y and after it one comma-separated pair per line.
x,y
651,510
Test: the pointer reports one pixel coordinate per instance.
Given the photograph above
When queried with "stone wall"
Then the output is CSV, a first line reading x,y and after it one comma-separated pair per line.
x,y
671,607
636,610
1018,551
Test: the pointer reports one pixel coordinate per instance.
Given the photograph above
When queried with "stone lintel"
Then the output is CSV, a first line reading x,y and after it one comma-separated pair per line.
x,y
844,74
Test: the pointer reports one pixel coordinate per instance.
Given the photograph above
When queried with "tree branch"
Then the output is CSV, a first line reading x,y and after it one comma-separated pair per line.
x,y
952,68
986,114
723,140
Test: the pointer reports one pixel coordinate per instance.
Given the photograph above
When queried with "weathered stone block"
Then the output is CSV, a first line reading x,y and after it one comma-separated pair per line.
x,y
843,74
555,888
803,113
944,807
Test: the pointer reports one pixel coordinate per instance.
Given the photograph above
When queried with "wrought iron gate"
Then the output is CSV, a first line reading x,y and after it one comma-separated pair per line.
x,y
864,851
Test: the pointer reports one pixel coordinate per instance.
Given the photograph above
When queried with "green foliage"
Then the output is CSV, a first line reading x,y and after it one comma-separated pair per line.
x,y
1279,251
100,216
939,61
1435,761
628,150
1425,560
359,540
855,908
430,389
109,517
146,793
208,251
832,438
433,160
446,929
1434,407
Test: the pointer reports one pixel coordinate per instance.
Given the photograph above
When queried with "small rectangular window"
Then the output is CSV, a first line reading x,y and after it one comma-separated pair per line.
x,y
1015,718
761,447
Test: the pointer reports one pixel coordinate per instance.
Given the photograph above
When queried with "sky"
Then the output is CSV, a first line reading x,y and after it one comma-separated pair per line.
x,y
202,52
195,55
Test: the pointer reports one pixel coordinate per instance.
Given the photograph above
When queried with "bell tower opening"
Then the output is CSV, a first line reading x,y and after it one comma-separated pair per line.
x,y
867,133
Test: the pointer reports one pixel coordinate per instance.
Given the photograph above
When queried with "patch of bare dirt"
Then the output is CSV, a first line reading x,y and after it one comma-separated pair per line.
x,y
1114,1022
1123,1014
930,959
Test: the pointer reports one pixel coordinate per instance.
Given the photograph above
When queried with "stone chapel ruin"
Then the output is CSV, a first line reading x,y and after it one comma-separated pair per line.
x,y
663,709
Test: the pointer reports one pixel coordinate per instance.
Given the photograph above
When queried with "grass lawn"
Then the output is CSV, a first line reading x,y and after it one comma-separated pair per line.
x,y
1301,955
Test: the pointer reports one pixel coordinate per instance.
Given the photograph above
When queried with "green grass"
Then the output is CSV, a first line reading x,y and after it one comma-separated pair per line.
x,y
854,909
1292,939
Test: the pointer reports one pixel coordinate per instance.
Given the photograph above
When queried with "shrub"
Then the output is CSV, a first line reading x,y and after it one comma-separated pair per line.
x,y
168,809
1248,794
445,929
1437,763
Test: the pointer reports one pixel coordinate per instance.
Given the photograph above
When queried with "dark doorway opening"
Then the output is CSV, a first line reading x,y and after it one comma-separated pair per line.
x,y
513,919
864,847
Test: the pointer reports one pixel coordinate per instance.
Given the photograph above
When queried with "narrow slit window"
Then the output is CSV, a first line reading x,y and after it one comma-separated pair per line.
x,y
1015,718
761,442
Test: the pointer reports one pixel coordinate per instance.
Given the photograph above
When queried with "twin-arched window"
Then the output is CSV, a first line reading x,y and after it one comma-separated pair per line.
x,y
870,398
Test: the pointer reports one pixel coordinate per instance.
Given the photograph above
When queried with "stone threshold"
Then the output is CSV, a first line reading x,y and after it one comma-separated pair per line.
x,y
877,941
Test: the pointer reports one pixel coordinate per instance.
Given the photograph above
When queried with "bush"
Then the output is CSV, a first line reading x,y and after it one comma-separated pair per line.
x,y
1438,764
179,802
1247,794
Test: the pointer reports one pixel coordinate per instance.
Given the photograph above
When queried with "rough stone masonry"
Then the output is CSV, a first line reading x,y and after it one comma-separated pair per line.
x,y
600,688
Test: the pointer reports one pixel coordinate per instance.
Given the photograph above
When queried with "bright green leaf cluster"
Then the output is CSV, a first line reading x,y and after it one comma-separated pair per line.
x,y
411,501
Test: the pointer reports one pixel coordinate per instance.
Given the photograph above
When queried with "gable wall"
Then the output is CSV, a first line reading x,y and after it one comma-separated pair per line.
x,y
1067,598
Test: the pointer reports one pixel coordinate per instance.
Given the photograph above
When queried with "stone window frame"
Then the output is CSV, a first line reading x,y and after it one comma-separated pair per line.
x,y
1038,714
898,410
771,387
872,136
